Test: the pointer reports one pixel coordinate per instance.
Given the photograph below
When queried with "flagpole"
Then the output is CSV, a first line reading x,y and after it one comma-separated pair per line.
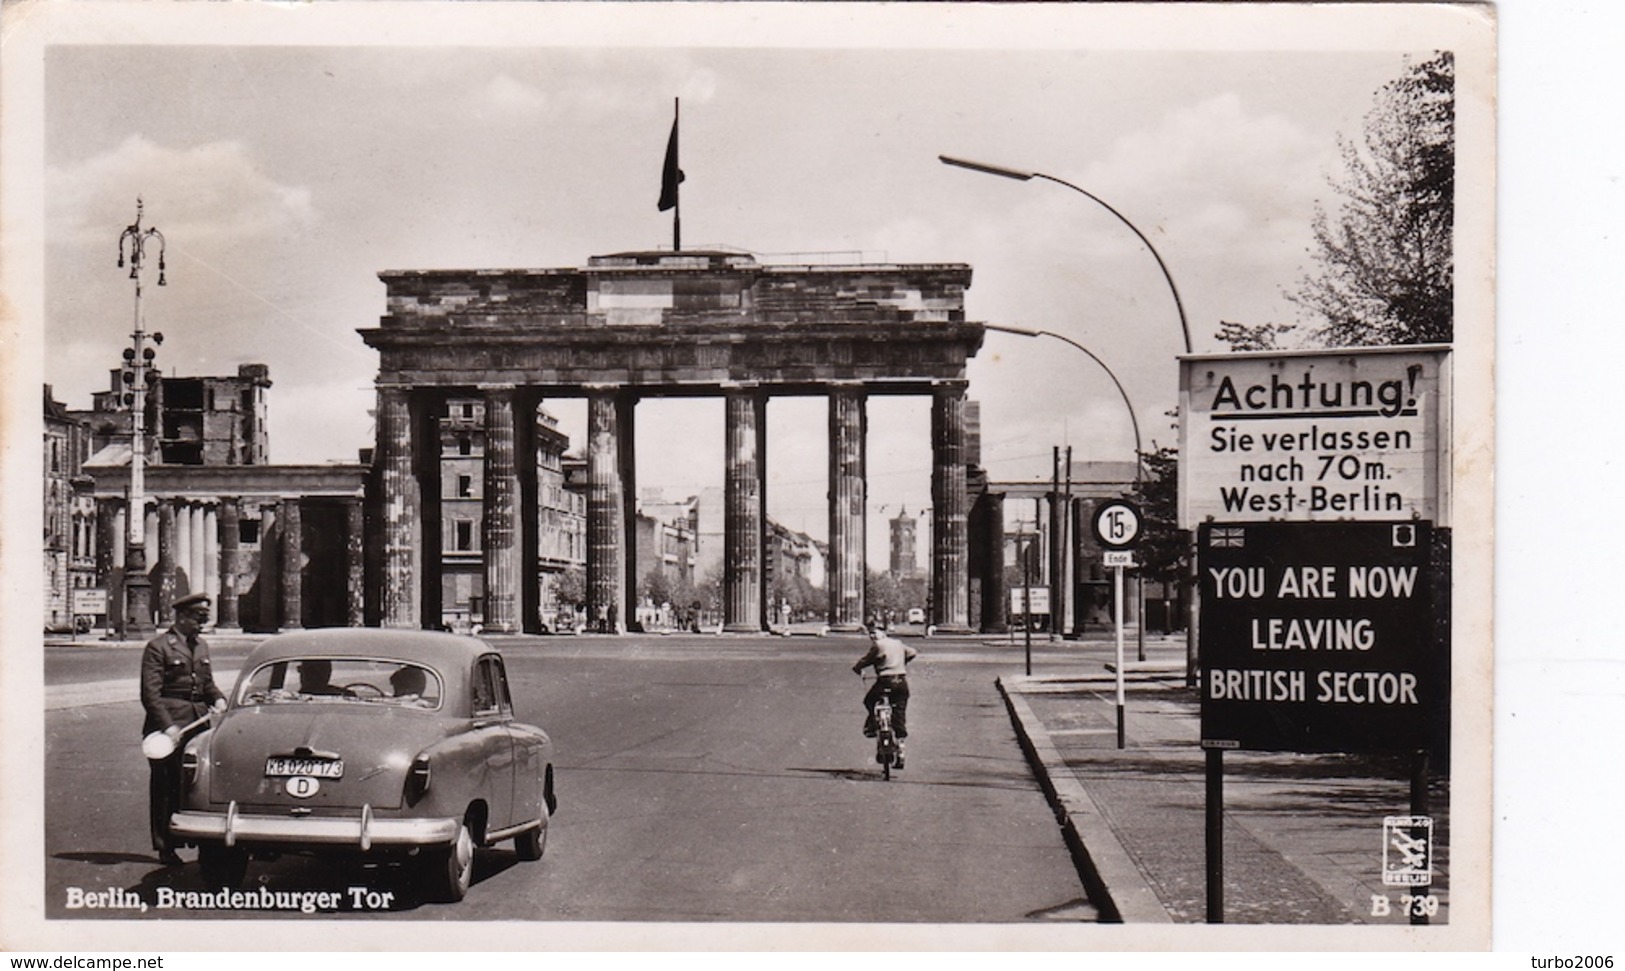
x,y
671,180
677,210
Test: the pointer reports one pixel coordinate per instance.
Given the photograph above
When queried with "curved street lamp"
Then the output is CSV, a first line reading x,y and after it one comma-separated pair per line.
x,y
1024,176
1134,420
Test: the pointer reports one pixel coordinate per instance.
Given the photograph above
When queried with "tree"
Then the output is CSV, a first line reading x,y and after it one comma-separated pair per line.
x,y
1252,337
1385,263
656,587
1164,548
805,600
682,592
708,591
880,595
571,588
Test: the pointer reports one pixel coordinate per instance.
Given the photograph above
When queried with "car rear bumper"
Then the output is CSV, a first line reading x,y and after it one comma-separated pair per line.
x,y
362,832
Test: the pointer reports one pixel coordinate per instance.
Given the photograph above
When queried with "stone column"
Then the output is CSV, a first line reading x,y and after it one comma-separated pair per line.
x,y
848,501
183,548
165,587
949,505
744,514
121,536
625,430
150,521
111,535
355,583
231,533
995,594
209,524
499,537
269,572
292,555
605,510
401,510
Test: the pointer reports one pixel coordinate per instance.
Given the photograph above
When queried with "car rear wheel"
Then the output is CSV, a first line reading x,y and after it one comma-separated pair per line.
x,y
223,867
452,869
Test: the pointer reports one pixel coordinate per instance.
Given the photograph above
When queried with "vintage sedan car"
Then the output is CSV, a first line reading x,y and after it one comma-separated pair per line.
x,y
380,744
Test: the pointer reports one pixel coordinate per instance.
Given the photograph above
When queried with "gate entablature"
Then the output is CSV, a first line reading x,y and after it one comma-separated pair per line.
x,y
678,323
634,325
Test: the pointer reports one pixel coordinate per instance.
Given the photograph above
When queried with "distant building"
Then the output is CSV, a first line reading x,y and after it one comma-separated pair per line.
x,y
665,543
69,515
905,560
276,547
796,565
462,510
561,541
560,522
666,538
709,518
190,420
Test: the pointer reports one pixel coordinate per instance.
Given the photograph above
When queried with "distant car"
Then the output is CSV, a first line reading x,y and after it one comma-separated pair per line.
x,y
381,744
916,615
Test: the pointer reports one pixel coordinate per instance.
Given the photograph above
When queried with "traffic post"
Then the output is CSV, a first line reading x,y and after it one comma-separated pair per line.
x,y
1117,525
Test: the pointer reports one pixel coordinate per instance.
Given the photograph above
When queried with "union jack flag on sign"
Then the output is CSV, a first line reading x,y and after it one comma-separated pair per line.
x,y
1231,536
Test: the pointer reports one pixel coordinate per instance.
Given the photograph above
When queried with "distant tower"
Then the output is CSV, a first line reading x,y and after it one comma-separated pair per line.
x,y
903,561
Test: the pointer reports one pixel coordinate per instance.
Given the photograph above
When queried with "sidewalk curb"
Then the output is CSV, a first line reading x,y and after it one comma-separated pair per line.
x,y
1114,883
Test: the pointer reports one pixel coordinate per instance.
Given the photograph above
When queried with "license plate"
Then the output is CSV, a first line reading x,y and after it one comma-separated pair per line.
x,y
318,768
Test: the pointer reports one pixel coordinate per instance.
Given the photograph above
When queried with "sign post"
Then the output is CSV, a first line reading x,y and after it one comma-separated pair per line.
x,y
1117,525
1318,485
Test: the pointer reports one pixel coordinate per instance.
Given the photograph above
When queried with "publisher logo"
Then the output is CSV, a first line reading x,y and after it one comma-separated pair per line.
x,y
1407,851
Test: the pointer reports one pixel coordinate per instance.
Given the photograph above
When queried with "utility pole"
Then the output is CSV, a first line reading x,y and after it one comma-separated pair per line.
x,y
137,373
1069,544
1055,554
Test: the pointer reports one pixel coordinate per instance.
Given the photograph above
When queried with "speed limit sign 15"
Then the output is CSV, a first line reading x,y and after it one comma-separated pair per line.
x,y
1117,524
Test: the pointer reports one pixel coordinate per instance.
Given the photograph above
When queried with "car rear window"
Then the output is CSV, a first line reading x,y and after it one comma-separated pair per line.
x,y
342,680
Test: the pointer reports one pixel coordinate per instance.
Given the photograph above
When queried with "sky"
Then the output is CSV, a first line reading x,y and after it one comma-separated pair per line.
x,y
284,177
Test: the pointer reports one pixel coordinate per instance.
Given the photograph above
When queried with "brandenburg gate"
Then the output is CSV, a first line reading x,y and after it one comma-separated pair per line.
x,y
661,324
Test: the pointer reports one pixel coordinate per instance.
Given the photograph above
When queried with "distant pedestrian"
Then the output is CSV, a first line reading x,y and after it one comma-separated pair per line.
x,y
177,688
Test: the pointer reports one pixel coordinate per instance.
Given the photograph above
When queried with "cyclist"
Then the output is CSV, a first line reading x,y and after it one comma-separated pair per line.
x,y
889,657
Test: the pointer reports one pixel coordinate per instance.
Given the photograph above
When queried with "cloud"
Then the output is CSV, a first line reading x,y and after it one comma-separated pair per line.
x,y
213,192
318,422
505,94
1216,177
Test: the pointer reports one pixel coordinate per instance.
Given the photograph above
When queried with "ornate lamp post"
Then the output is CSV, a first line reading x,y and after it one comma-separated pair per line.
x,y
138,373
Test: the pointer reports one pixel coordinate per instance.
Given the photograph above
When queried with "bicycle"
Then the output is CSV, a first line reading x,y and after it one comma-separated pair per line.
x,y
888,747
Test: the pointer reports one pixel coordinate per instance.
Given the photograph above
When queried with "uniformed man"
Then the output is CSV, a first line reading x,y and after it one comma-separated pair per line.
x,y
177,688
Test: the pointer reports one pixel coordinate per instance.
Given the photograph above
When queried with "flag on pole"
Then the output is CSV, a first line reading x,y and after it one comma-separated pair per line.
x,y
671,175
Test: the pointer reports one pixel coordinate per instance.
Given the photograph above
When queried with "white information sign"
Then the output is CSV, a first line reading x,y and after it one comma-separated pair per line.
x,y
1354,434
90,600
1040,600
1123,558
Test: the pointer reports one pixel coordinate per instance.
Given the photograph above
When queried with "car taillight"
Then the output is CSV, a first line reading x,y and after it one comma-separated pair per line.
x,y
417,778
189,768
